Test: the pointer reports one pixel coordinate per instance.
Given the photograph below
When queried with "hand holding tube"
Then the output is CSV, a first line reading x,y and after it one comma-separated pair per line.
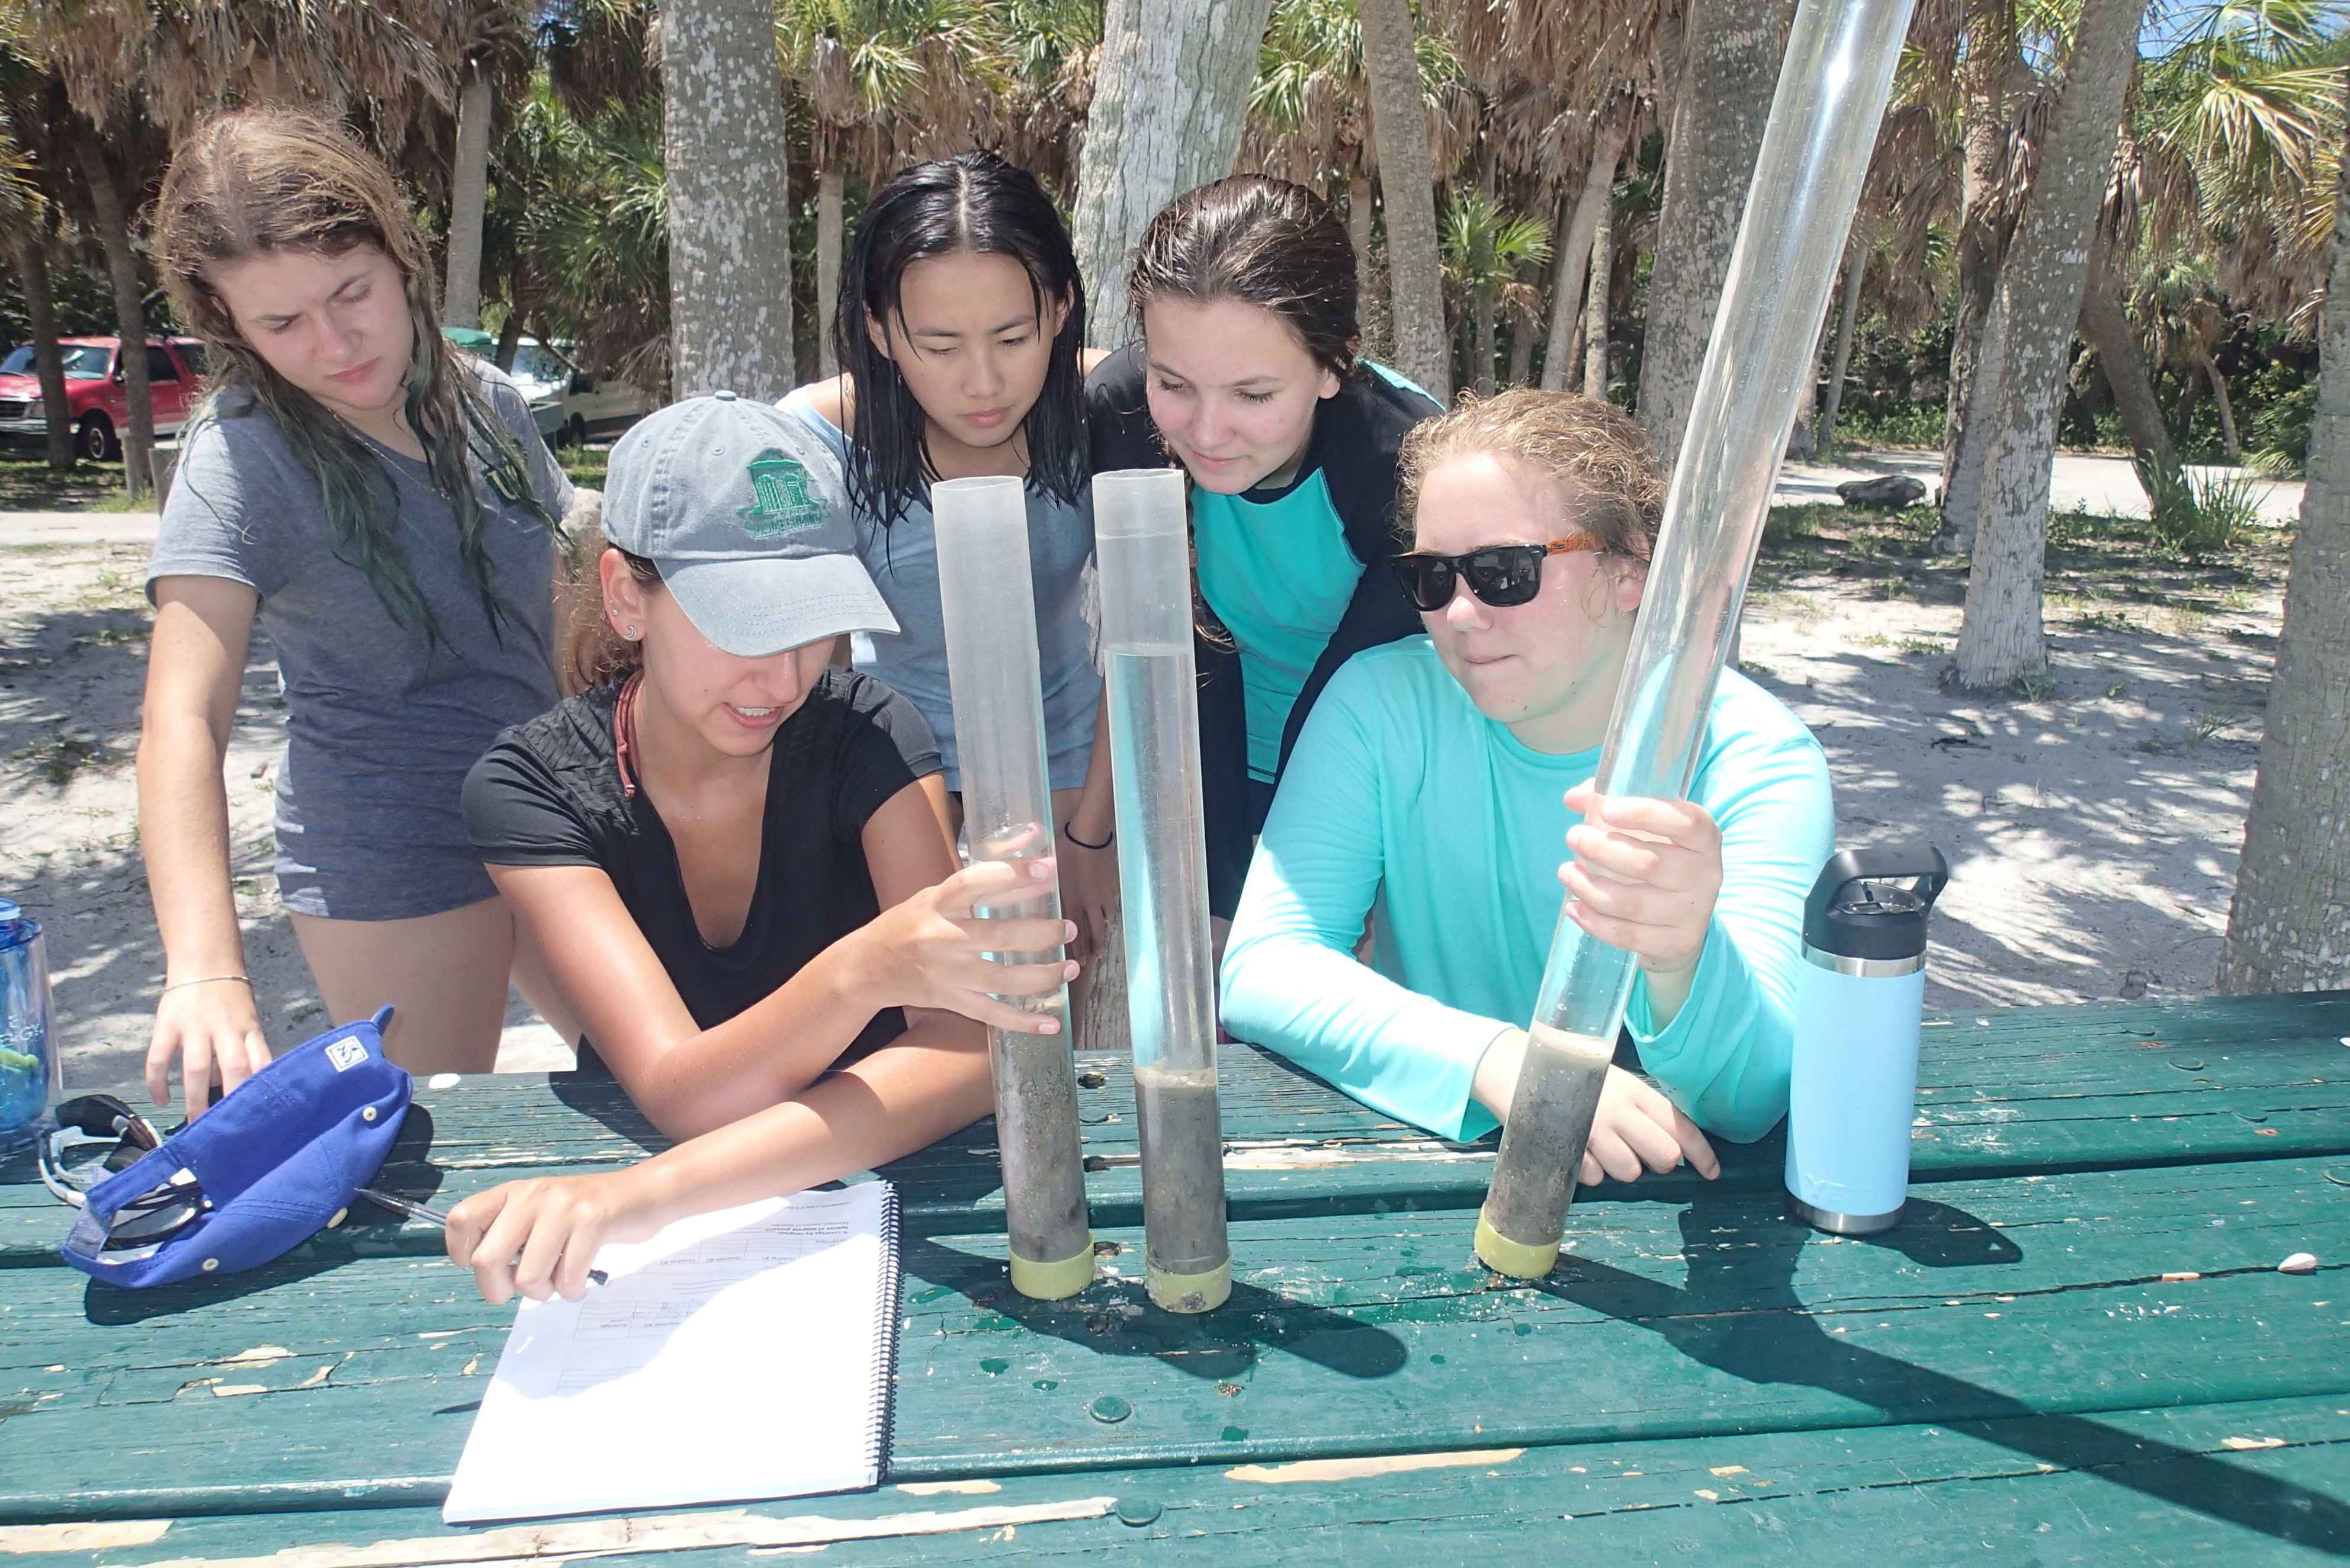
x,y
1644,879
927,951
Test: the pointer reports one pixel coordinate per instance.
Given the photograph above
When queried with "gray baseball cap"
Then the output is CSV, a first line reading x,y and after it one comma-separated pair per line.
x,y
744,509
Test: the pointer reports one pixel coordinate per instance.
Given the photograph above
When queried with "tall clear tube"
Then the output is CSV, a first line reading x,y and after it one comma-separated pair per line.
x,y
988,601
1145,554
1815,149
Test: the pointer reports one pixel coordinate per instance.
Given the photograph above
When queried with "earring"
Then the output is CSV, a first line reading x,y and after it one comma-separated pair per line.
x,y
630,634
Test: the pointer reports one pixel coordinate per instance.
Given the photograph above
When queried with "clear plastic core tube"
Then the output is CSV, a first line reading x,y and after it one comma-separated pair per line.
x,y
1815,149
1144,551
988,601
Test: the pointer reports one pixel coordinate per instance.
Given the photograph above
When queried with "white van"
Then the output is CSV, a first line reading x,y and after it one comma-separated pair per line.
x,y
569,405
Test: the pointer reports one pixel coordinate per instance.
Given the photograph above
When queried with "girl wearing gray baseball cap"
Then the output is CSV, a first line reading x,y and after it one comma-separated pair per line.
x,y
734,856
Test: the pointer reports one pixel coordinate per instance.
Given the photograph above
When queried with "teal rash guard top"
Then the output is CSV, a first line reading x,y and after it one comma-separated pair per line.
x,y
1297,577
1401,793
1278,575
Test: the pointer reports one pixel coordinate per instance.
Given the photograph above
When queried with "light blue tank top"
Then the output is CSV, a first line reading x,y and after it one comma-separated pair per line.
x,y
903,559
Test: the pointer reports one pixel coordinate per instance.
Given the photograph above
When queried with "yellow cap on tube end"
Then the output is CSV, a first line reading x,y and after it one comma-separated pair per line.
x,y
1191,1293
1051,1282
1516,1258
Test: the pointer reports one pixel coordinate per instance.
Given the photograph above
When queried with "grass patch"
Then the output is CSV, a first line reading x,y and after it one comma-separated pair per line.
x,y
27,484
1905,428
585,465
2201,517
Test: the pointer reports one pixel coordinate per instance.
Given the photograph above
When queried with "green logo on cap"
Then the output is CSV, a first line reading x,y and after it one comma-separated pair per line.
x,y
781,503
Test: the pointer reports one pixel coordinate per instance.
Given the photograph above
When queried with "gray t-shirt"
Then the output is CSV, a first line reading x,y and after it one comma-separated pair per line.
x,y
903,559
380,727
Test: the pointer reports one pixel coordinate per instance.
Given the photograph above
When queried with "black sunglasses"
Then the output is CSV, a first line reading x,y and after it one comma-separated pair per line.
x,y
146,1220
1501,574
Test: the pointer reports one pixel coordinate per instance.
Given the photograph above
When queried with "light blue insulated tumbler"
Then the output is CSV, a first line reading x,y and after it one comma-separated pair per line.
x,y
1859,997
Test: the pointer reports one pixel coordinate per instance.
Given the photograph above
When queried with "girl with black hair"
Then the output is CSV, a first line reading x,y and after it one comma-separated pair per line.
x,y
386,510
1247,375
961,324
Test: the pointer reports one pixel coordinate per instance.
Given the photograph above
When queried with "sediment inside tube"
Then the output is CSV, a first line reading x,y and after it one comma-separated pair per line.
x,y
1182,1138
1550,1122
1036,1128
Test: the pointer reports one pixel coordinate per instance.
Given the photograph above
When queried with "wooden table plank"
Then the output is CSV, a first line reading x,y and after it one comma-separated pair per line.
x,y
2025,1091
1347,1336
2260,1481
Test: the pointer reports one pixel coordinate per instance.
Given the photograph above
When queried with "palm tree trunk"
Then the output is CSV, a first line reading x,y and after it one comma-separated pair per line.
x,y
2227,441
1522,352
130,313
2040,288
48,363
1487,345
730,236
2285,928
468,186
1598,294
1408,184
1359,234
1856,271
1982,241
509,341
1170,97
1574,252
2106,327
1717,129
830,194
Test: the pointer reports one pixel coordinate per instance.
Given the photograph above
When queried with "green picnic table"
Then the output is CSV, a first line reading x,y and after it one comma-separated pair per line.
x,y
2076,1348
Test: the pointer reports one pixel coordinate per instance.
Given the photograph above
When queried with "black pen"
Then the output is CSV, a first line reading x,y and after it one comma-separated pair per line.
x,y
434,1216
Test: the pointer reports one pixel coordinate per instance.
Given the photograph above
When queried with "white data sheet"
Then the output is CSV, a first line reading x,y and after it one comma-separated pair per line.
x,y
740,1354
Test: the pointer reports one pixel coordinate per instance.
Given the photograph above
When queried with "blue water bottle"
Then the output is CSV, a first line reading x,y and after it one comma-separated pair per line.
x,y
26,1060
1859,999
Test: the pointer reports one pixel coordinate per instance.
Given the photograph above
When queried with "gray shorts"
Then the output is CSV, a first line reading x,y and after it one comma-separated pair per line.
x,y
359,862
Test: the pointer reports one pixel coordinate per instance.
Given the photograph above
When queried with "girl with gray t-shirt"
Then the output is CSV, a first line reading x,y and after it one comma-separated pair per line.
x,y
388,513
961,323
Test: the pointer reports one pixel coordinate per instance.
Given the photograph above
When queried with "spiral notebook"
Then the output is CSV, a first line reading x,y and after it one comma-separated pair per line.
x,y
741,1355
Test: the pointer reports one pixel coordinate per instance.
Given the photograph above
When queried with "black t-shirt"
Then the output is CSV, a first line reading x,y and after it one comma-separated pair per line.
x,y
548,793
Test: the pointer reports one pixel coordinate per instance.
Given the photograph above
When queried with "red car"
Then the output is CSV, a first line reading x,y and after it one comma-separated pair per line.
x,y
94,395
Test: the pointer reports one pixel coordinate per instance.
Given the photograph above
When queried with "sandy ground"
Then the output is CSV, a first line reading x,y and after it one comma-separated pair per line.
x,y
2094,833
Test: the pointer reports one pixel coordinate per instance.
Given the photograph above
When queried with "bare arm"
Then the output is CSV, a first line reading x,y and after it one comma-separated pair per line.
x,y
894,1102
195,670
923,952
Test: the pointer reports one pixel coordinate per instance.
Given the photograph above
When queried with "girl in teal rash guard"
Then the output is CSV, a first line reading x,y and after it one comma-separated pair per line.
x,y
1247,375
1428,783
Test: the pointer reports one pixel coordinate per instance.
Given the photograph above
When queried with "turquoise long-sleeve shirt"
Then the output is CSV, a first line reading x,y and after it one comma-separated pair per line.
x,y
1403,800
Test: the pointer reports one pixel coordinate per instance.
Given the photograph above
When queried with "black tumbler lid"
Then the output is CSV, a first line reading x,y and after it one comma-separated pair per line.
x,y
1855,910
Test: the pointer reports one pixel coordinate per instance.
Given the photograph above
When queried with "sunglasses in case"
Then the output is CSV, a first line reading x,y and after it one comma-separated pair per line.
x,y
1501,574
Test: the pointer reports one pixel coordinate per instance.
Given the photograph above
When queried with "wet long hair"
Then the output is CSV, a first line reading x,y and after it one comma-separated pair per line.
x,y
260,182
1263,241
974,203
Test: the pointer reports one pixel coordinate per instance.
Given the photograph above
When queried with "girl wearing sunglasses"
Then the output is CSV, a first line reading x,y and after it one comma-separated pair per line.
x,y
1246,374
1430,780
